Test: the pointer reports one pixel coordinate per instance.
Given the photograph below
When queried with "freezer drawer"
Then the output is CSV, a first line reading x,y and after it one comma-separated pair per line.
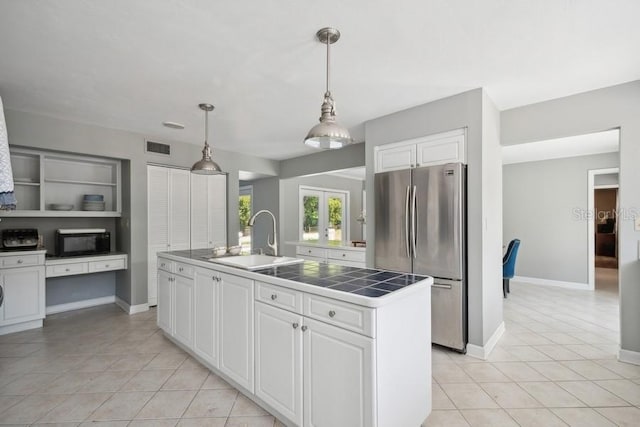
x,y
449,314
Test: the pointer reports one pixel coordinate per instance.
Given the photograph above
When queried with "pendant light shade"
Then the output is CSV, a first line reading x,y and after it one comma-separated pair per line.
x,y
328,134
206,166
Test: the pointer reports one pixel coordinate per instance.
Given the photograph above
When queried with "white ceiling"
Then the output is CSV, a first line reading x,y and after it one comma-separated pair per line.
x,y
132,64
558,148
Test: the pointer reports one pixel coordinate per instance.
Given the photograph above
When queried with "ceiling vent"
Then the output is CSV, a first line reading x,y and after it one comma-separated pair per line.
x,y
158,148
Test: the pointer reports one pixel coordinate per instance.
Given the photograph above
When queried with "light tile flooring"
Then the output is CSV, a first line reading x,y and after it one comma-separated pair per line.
x,y
555,365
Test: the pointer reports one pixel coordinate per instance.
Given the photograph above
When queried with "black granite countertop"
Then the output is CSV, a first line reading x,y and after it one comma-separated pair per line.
x,y
361,281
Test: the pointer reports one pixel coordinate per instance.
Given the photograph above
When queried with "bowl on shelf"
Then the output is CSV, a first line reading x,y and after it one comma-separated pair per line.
x,y
219,251
93,198
60,207
92,206
235,250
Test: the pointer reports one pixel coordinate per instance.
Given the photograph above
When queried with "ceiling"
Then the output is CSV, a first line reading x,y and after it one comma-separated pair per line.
x,y
132,64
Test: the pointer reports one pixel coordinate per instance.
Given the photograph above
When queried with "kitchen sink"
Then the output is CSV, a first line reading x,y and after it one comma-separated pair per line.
x,y
255,262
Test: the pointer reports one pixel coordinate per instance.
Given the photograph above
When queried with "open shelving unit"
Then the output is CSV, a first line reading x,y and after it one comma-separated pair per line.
x,y
43,179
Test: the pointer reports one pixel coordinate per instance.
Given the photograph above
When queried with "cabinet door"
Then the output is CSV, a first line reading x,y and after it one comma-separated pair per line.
x,y
438,151
279,360
236,329
396,157
200,212
217,209
183,310
205,341
165,301
23,294
338,377
157,224
179,206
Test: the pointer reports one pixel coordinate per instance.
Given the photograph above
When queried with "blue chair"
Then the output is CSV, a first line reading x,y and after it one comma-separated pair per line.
x,y
509,265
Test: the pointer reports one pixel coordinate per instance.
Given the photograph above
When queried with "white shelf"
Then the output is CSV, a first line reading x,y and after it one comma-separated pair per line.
x,y
31,184
69,181
34,213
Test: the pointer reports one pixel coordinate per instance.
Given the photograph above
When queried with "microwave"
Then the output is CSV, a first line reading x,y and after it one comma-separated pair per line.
x,y
82,241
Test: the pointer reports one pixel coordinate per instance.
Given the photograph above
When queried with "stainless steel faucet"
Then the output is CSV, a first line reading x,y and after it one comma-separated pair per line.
x,y
273,244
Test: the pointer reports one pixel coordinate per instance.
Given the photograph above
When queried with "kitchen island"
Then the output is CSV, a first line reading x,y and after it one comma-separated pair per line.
x,y
315,344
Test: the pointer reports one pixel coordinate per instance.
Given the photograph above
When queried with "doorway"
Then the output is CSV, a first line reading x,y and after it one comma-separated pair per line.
x,y
603,230
245,210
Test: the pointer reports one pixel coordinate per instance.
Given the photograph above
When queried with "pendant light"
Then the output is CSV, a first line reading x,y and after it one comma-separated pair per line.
x,y
206,166
328,134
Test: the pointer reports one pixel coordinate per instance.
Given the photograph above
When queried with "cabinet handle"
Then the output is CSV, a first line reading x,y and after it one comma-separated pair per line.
x,y
66,269
106,265
295,325
332,313
274,297
344,255
162,265
304,328
181,269
19,261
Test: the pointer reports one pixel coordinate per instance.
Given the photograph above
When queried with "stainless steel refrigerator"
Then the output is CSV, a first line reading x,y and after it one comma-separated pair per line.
x,y
420,224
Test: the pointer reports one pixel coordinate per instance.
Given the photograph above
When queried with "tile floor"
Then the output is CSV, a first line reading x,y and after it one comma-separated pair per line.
x,y
555,365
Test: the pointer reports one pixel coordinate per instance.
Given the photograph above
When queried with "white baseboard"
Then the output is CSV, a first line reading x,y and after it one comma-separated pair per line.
x,y
548,282
629,356
77,305
483,352
131,309
19,327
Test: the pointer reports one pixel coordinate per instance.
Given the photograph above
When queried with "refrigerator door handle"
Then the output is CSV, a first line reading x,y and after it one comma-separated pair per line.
x,y
414,223
438,285
406,221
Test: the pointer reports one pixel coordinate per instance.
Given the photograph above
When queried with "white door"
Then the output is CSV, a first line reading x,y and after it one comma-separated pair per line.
x,y
338,374
23,294
200,212
323,216
165,301
183,310
236,329
205,342
217,208
279,360
179,207
157,224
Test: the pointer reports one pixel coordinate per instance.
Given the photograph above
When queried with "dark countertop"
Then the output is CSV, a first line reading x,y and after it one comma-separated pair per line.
x,y
360,281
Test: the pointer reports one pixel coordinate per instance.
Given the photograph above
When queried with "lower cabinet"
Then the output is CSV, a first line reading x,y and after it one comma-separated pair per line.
x,y
236,329
165,301
279,360
23,289
313,373
183,310
205,315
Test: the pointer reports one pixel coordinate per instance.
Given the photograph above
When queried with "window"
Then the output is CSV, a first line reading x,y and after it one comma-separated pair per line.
x,y
323,216
245,209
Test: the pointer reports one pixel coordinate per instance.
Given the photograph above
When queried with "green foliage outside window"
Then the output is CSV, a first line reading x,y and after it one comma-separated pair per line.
x,y
244,210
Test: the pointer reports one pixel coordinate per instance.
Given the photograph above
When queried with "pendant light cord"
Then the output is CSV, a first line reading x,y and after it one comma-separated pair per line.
x,y
328,60
206,127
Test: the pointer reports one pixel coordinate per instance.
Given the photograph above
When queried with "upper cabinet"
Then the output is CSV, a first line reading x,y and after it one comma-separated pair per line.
x,y
208,211
447,147
51,184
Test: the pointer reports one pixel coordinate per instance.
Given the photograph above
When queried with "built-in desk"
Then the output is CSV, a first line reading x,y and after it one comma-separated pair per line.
x,y
69,266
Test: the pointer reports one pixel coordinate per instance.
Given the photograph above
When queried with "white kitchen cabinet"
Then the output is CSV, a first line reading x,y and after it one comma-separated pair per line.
x,y
208,211
236,329
165,301
183,310
56,267
338,377
278,355
22,280
205,342
446,147
348,256
44,178
168,217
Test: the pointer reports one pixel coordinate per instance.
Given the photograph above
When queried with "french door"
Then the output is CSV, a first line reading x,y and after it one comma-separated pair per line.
x,y
323,216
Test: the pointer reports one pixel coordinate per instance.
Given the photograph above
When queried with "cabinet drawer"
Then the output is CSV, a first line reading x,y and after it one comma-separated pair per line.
x,y
311,251
355,256
21,260
342,314
106,265
279,297
67,269
184,269
165,264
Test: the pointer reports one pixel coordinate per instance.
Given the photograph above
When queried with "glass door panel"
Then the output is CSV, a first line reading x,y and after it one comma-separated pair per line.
x,y
335,212
310,214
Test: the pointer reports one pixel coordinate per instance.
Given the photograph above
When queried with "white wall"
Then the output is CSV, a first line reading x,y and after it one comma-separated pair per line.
x,y
594,111
542,205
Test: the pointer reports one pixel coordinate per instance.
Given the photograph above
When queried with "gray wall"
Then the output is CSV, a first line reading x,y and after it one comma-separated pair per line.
x,y
266,195
598,110
542,200
43,132
323,161
289,199
474,111
62,290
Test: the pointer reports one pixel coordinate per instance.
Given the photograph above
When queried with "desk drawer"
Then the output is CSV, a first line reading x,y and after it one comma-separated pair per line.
x,y
106,265
184,269
311,251
279,297
354,256
67,269
21,260
348,316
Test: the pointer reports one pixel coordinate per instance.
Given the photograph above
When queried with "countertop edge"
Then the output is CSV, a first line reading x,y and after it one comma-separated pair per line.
x,y
319,245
